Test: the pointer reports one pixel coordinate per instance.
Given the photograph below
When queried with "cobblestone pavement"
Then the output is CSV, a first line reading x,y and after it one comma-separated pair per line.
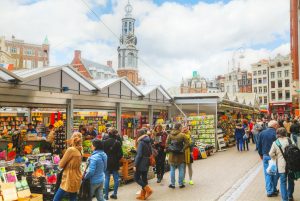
x,y
227,175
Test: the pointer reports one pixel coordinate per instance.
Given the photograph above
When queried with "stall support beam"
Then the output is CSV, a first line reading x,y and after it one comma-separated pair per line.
x,y
169,109
119,117
70,108
150,110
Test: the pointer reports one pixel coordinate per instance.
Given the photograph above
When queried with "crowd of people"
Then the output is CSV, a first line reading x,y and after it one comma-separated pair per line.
x,y
104,161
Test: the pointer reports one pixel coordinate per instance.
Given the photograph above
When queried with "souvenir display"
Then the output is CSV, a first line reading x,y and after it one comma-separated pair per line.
x,y
202,129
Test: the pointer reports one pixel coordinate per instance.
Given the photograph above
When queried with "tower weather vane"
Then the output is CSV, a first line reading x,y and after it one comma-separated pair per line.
x,y
128,9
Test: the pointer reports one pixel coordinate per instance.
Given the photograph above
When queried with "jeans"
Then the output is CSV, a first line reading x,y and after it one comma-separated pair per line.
x,y
295,139
239,144
61,193
270,180
116,181
140,177
246,144
97,190
256,140
180,176
286,187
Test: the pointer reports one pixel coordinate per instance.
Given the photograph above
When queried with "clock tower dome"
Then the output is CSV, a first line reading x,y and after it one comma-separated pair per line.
x,y
127,52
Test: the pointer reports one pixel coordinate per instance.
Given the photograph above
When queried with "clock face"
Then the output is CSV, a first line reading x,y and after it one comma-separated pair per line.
x,y
131,40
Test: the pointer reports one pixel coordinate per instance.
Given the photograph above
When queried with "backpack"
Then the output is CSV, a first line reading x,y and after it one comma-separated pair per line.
x,y
291,155
176,147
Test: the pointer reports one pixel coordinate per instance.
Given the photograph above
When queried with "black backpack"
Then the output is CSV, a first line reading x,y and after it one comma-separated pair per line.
x,y
291,155
176,147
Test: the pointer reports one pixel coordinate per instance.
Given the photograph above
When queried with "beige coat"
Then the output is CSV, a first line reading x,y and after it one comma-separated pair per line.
x,y
71,178
275,153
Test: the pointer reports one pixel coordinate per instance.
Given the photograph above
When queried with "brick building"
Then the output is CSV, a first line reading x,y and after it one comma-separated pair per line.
x,y
195,84
245,82
27,55
92,70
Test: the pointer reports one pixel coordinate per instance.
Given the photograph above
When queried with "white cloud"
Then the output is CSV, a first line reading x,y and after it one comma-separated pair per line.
x,y
173,39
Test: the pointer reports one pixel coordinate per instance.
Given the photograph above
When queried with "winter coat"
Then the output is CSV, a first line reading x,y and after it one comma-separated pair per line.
x,y
71,163
239,133
160,138
142,159
113,150
287,126
97,165
265,141
295,129
276,154
175,158
187,152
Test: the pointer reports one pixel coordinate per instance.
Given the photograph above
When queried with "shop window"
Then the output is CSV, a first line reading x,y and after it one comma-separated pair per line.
x,y
287,95
279,95
254,73
259,81
265,99
287,83
255,90
273,84
279,83
264,72
272,75
265,89
260,90
279,74
273,96
286,73
265,80
254,81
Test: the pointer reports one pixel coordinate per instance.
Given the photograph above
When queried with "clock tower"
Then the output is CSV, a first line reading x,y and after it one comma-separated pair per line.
x,y
127,52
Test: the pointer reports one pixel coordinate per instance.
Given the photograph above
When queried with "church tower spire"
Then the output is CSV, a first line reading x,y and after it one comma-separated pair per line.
x,y
127,51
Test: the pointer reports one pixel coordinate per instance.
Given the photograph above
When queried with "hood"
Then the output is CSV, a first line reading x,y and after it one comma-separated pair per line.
x,y
99,152
175,132
144,138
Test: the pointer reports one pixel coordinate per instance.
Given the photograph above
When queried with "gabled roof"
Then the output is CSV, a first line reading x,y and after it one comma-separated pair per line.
x,y
102,84
147,89
32,74
90,64
8,76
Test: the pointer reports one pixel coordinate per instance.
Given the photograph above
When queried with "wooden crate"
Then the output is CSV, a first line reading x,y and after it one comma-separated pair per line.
x,y
127,170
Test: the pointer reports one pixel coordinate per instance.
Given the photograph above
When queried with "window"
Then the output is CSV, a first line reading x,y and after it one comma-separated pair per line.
x,y
260,90
265,89
279,95
265,99
260,100
273,75
273,95
279,74
259,72
265,80
130,27
255,90
254,73
259,81
229,77
254,81
130,60
249,81
287,95
13,50
287,83
279,64
286,73
264,72
273,84
279,83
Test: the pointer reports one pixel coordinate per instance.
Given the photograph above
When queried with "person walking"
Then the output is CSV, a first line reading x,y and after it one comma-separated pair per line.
x,y
113,149
246,137
266,139
286,184
97,165
71,163
142,163
239,133
160,138
295,131
251,125
258,127
176,145
188,156
287,125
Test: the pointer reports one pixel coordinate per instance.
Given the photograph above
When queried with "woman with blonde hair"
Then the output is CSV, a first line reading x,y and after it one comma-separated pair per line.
x,y
71,162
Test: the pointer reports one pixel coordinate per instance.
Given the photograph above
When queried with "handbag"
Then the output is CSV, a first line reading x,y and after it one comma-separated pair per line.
x,y
85,188
152,161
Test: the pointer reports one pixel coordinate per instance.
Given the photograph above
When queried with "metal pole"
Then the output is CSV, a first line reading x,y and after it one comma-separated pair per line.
x,y
119,117
216,127
150,115
70,108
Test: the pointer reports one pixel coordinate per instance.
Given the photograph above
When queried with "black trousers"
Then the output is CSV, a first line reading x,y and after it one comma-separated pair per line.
x,y
246,144
160,163
141,178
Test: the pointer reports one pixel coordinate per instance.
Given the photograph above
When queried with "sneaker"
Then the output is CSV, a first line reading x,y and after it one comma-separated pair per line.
x,y
191,182
272,195
182,186
291,199
114,197
158,180
184,181
171,186
106,198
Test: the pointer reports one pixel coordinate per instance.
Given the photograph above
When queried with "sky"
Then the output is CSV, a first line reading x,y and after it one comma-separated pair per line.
x,y
175,37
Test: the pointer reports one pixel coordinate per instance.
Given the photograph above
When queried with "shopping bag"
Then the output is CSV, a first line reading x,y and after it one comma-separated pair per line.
x,y
272,168
84,191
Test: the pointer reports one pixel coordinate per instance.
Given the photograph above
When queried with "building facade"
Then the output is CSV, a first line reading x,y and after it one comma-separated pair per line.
x,y
245,82
127,51
260,83
220,81
28,55
294,35
92,70
231,82
281,86
196,84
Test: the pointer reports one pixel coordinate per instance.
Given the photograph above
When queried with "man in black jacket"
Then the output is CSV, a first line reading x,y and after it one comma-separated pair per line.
x,y
295,131
113,149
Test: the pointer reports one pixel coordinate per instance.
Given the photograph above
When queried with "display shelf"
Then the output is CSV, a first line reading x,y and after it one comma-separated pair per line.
x,y
12,122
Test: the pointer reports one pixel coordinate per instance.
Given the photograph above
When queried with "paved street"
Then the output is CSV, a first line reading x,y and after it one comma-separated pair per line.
x,y
226,175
